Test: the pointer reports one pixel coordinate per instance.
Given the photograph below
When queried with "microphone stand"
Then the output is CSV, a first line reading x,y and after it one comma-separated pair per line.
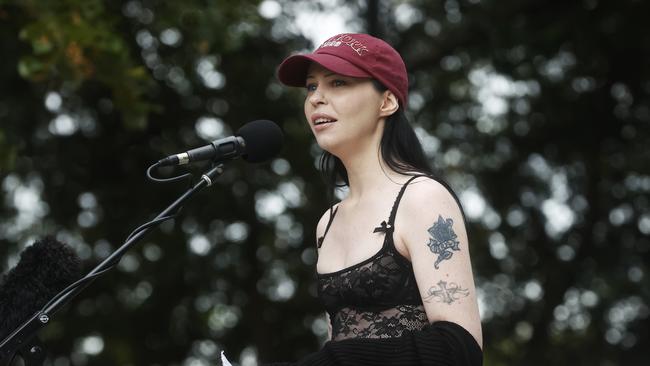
x,y
23,341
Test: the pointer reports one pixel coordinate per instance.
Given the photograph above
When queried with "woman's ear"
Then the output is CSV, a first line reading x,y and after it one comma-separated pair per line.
x,y
389,104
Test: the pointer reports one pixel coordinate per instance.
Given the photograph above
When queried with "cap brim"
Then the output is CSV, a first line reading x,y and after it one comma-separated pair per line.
x,y
293,70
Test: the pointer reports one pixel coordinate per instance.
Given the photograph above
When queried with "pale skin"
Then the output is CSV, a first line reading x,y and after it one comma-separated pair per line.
x,y
360,111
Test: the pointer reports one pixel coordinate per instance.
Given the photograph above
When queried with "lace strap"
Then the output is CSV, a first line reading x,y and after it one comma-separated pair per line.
x,y
393,211
388,227
329,223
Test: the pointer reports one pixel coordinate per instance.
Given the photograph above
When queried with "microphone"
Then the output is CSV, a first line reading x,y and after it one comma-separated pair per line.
x,y
256,142
44,269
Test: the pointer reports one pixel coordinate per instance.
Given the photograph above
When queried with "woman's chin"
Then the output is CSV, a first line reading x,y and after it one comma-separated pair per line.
x,y
328,144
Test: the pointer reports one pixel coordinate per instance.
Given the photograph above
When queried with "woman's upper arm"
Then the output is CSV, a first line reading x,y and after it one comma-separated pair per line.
x,y
433,230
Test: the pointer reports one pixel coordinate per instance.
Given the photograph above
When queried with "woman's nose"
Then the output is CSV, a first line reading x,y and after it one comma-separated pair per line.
x,y
317,97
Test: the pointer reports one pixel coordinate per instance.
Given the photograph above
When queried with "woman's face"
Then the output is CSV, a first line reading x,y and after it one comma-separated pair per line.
x,y
343,112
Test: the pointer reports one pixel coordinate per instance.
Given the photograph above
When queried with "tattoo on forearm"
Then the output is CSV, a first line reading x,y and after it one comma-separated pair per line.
x,y
443,239
444,292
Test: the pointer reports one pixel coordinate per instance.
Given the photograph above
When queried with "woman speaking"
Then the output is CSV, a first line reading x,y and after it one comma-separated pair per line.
x,y
393,269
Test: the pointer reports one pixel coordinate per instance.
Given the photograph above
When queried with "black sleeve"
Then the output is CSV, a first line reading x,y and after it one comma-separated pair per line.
x,y
440,343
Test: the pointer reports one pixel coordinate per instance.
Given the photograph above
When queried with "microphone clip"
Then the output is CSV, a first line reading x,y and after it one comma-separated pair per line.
x,y
217,151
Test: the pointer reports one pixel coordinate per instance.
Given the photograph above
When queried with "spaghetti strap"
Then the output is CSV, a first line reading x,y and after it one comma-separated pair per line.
x,y
393,212
390,226
384,226
329,223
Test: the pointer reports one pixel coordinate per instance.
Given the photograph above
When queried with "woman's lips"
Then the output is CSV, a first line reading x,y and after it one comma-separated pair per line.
x,y
318,118
323,126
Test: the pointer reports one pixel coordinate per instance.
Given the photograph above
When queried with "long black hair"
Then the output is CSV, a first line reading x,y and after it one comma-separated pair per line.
x,y
400,148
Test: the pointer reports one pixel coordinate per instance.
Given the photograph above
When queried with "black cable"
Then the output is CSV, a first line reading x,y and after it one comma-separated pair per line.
x,y
166,180
74,285
110,265
152,223
116,260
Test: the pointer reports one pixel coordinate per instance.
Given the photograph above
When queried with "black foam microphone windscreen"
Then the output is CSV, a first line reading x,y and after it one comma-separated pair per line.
x,y
44,269
263,140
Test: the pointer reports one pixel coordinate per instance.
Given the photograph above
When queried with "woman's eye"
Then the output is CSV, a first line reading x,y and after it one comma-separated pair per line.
x,y
310,87
338,82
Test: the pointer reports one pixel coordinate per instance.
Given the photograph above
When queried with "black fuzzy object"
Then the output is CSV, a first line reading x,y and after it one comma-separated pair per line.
x,y
44,269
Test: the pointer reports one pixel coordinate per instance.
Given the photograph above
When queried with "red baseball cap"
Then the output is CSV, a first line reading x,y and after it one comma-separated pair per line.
x,y
351,54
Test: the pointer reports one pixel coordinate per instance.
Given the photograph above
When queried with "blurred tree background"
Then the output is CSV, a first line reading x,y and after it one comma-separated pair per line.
x,y
536,112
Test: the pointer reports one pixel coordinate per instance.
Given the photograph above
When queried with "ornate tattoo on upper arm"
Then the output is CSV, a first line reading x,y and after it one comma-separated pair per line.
x,y
445,292
443,239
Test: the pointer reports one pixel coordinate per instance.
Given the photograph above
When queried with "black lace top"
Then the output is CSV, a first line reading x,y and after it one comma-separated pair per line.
x,y
377,298
378,317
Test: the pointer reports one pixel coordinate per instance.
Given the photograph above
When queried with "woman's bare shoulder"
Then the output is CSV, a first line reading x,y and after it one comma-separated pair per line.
x,y
426,190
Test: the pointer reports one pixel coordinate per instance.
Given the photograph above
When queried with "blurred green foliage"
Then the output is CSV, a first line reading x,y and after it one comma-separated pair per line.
x,y
75,42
